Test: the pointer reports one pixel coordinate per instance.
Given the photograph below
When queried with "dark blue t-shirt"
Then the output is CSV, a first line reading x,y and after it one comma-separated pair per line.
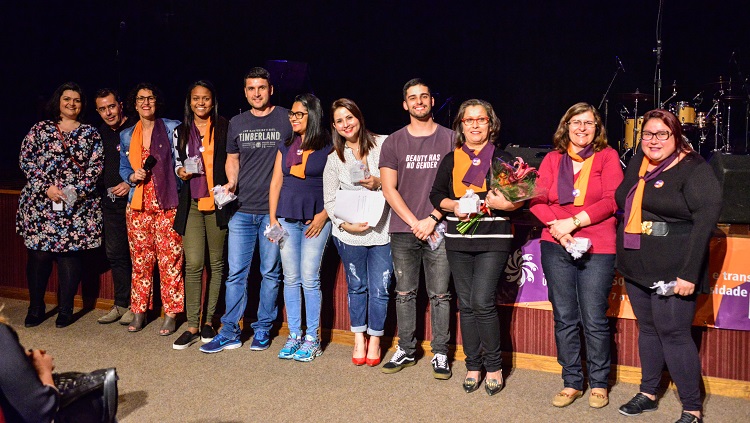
x,y
256,139
302,199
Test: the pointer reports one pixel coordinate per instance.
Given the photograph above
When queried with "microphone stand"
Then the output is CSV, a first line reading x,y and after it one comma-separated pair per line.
x,y
604,100
658,52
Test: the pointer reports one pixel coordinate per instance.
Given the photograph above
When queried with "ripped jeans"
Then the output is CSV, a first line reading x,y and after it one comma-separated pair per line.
x,y
369,270
408,254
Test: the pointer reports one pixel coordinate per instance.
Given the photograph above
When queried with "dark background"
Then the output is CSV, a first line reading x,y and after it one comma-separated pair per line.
x,y
530,59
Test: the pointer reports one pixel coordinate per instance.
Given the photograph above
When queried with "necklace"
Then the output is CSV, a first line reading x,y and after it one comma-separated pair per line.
x,y
200,125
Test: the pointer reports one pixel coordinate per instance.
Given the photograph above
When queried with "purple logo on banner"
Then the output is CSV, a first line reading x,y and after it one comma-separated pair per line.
x,y
524,280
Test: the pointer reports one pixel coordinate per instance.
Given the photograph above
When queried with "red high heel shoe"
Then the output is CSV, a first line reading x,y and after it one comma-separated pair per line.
x,y
358,361
372,362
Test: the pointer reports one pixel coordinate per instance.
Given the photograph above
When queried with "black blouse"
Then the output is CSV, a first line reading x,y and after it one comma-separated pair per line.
x,y
688,197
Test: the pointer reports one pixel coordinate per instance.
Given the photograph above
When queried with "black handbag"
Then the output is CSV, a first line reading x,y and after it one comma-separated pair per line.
x,y
87,397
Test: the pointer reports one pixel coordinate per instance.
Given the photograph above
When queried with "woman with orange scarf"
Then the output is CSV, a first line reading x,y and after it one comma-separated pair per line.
x,y
152,204
580,178
201,145
671,201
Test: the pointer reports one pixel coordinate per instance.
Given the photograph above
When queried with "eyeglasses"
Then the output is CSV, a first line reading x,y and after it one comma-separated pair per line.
x,y
484,120
661,135
578,123
111,108
149,99
298,115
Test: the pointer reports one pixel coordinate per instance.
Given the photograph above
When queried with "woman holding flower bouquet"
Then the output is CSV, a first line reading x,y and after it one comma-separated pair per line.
x,y
579,180
477,243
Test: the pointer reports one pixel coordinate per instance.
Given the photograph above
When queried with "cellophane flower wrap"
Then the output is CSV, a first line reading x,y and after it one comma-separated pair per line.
x,y
516,181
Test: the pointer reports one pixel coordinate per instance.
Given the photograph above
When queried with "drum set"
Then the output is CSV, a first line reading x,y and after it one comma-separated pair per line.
x,y
720,124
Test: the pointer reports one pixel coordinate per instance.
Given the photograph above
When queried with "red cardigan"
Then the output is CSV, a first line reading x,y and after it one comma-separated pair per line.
x,y
605,177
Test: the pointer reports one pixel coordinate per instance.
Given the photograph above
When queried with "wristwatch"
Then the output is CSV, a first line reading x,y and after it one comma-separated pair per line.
x,y
577,221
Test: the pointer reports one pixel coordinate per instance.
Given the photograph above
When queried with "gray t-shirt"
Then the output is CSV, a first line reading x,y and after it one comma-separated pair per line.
x,y
257,140
416,160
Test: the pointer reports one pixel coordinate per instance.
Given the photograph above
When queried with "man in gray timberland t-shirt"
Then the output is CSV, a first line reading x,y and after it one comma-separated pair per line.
x,y
252,141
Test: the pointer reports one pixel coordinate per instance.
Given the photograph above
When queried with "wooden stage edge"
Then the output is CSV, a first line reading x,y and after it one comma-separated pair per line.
x,y
620,373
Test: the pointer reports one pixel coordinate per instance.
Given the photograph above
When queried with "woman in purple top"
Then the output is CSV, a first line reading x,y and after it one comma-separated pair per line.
x,y
295,203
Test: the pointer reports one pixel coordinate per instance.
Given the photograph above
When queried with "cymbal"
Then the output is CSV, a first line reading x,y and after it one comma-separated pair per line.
x,y
635,96
724,84
733,97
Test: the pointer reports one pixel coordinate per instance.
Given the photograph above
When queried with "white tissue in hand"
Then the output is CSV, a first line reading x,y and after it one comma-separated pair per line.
x,y
194,165
69,195
664,289
469,203
440,234
276,233
222,197
578,247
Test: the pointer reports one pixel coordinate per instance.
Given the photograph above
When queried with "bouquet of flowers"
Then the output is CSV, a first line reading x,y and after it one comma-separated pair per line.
x,y
517,181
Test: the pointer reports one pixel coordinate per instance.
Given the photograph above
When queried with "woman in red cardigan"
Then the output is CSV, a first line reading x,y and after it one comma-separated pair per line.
x,y
580,178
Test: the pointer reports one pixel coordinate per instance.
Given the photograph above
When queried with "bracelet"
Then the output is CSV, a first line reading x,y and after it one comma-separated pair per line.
x,y
432,216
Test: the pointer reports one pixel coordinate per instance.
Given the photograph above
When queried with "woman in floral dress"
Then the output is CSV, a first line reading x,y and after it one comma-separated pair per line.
x,y
58,215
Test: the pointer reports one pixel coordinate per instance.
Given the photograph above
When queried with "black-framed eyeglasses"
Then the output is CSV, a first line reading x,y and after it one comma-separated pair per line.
x,y
661,135
149,99
298,115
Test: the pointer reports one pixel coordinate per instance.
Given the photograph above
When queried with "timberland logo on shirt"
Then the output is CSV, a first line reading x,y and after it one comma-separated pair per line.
x,y
422,161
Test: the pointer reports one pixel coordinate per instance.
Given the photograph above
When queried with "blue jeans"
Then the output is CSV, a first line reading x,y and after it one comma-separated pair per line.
x,y
245,230
368,277
409,255
300,259
579,291
476,275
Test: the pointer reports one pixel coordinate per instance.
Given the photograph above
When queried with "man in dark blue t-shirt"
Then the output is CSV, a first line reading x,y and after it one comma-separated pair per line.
x,y
252,142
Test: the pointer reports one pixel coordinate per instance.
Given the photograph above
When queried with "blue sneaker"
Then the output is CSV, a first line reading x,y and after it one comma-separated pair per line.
x,y
261,340
293,342
220,343
309,349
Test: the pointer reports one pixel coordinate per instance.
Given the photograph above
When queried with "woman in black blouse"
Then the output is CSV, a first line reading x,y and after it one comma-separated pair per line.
x,y
477,258
671,201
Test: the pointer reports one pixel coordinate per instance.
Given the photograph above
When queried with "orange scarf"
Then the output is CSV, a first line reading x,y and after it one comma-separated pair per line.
x,y
136,162
461,164
299,170
582,182
634,220
207,203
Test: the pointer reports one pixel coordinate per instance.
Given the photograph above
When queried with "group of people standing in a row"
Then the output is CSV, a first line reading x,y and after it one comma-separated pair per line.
x,y
286,168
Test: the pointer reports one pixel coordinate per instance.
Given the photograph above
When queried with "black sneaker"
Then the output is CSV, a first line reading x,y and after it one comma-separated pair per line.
x,y
399,361
185,340
689,418
207,333
638,404
440,367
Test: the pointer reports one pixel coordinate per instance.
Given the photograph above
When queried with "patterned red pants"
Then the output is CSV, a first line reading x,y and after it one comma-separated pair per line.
x,y
152,238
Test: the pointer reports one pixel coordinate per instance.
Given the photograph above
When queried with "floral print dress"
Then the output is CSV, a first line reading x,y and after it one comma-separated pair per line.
x,y
52,157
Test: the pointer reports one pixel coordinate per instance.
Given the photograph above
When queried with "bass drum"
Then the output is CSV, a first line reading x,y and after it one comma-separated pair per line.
x,y
630,130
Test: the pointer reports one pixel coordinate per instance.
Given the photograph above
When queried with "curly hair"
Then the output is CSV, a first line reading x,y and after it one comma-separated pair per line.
x,y
458,125
561,139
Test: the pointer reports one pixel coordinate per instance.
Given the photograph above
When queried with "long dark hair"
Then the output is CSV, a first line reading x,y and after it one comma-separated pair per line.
x,y
316,137
365,138
160,103
183,133
52,109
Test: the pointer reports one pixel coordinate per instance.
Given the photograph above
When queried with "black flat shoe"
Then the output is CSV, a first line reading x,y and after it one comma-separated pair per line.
x,y
470,384
139,319
63,320
34,318
493,386
170,326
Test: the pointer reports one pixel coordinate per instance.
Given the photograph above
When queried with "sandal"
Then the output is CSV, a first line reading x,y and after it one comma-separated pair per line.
x,y
139,320
169,326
